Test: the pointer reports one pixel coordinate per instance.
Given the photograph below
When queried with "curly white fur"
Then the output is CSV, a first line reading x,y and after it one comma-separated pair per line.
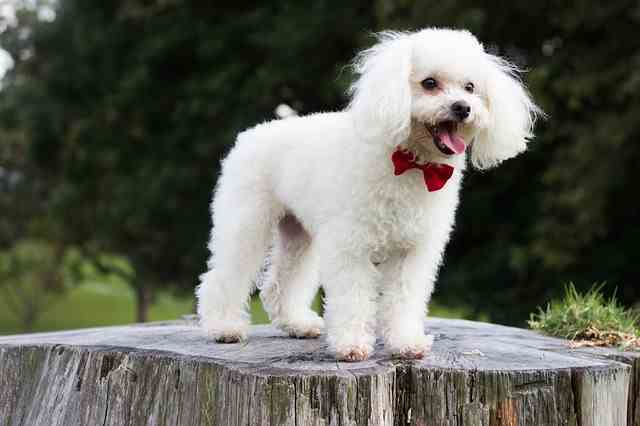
x,y
321,191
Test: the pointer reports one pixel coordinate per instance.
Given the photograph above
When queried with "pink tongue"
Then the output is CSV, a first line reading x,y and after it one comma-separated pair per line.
x,y
454,142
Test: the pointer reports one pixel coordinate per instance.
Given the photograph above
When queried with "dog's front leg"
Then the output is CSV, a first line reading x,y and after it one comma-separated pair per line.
x,y
350,283
408,283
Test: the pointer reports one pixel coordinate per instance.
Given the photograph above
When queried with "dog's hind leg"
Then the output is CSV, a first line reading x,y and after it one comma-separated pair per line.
x,y
244,213
292,281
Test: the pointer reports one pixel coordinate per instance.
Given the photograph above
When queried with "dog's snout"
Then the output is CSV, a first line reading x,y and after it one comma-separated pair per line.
x,y
461,110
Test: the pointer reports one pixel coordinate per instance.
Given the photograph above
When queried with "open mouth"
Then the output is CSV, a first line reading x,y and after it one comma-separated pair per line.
x,y
446,137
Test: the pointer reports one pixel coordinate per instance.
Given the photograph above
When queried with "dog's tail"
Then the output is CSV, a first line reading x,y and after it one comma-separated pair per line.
x,y
244,212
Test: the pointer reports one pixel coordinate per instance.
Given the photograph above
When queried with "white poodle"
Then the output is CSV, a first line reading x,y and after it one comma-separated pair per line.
x,y
362,200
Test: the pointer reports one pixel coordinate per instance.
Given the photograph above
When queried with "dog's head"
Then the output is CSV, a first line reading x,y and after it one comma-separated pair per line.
x,y
440,86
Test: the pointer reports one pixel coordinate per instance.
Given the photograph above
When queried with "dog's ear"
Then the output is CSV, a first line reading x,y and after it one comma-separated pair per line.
x,y
512,114
381,96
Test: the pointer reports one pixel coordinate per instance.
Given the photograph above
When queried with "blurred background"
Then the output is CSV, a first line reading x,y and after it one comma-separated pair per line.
x,y
114,116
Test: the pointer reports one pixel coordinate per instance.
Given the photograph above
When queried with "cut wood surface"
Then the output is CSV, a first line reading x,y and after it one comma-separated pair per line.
x,y
172,374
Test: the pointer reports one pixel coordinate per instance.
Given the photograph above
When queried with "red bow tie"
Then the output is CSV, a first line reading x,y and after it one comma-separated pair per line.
x,y
435,174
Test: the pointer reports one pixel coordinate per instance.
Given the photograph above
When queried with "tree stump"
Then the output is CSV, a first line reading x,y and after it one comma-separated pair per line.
x,y
171,374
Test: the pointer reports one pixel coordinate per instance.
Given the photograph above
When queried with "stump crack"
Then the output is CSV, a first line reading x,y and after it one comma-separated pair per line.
x,y
177,382
106,408
403,388
357,394
575,390
472,384
108,365
295,403
80,371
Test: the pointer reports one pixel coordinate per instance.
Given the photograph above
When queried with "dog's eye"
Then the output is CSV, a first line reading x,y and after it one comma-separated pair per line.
x,y
469,87
429,83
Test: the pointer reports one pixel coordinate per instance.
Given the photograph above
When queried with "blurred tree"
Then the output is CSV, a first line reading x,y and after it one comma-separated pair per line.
x,y
18,194
128,106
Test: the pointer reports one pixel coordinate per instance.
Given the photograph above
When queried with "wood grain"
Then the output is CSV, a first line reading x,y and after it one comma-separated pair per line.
x,y
171,374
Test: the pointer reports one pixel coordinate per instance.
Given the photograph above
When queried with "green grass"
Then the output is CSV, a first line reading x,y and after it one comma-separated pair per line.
x,y
587,316
112,302
98,304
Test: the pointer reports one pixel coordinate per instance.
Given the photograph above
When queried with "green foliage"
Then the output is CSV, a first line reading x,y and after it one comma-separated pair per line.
x,y
31,274
586,315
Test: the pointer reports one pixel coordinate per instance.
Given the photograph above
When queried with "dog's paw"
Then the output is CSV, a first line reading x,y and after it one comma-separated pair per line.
x,y
350,345
415,349
226,331
305,333
229,338
308,328
354,353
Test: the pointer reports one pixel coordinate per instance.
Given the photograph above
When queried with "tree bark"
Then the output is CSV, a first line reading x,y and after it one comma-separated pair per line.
x,y
143,302
478,374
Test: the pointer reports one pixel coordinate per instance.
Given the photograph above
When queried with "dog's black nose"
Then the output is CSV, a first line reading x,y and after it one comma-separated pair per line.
x,y
461,110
